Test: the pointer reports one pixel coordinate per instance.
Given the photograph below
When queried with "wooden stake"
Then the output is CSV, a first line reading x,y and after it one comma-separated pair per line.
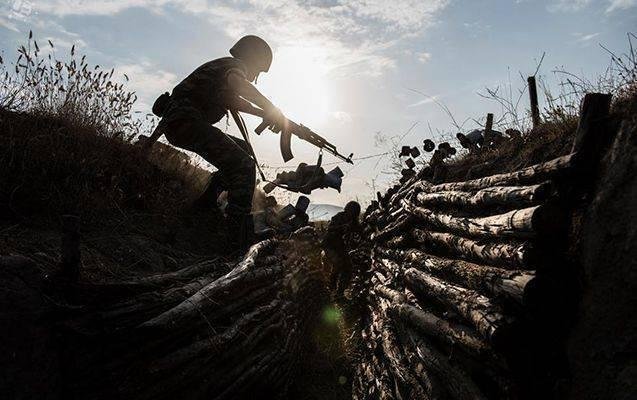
x,y
535,108
592,134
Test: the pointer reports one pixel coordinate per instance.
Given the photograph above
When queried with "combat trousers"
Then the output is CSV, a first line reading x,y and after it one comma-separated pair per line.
x,y
228,154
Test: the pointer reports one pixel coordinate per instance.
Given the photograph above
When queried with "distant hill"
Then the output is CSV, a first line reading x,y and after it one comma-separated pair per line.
x,y
322,212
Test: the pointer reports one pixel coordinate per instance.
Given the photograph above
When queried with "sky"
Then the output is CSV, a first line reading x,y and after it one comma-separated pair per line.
x,y
350,70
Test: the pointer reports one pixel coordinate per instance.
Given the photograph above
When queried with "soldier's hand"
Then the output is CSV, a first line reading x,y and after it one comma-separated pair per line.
x,y
277,122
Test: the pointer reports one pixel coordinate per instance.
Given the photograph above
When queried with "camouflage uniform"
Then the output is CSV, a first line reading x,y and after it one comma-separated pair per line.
x,y
196,103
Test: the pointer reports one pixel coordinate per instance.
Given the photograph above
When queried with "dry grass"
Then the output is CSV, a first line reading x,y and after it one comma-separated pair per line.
x,y
560,116
83,95
66,130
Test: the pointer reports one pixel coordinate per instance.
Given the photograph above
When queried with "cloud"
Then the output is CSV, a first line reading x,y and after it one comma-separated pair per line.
x,y
90,7
568,5
423,57
584,38
342,116
428,100
620,5
5,23
147,80
401,14
356,36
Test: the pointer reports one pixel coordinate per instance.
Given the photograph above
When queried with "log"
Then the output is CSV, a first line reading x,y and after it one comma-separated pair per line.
x,y
543,220
258,250
373,216
244,327
443,330
431,383
395,358
397,241
407,188
115,290
194,309
458,385
139,308
400,225
391,294
515,284
486,317
553,169
504,196
192,333
510,256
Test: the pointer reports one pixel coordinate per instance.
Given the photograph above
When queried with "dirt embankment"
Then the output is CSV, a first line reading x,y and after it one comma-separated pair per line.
x,y
603,345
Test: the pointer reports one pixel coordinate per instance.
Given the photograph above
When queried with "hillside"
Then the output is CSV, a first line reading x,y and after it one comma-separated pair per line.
x,y
322,212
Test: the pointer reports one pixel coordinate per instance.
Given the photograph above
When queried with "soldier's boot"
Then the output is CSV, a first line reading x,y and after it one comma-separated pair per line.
x,y
214,188
240,225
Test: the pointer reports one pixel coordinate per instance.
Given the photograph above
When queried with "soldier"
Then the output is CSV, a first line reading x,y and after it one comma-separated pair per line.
x,y
437,161
479,140
341,226
473,141
203,98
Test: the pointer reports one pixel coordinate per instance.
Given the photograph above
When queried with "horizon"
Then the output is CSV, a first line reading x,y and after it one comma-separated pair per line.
x,y
366,65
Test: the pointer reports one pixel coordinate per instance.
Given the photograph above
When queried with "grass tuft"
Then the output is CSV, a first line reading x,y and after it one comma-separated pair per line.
x,y
66,129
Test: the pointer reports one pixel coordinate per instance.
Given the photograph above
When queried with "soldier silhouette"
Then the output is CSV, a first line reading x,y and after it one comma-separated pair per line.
x,y
202,99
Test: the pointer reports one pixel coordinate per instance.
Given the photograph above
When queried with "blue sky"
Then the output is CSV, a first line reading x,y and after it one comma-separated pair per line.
x,y
348,69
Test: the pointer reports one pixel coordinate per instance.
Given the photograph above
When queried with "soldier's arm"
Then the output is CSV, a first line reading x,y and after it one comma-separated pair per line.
x,y
245,106
148,142
248,91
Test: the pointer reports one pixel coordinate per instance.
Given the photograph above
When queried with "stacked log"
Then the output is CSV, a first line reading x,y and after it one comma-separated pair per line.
x,y
216,330
456,273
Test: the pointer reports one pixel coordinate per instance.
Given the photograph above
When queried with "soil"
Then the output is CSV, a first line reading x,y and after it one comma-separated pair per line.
x,y
603,346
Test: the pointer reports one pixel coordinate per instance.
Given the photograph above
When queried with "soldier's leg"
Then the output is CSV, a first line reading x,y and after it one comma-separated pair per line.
x,y
237,168
228,154
215,186
242,178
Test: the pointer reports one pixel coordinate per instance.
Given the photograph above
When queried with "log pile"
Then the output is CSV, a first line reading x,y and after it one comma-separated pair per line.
x,y
215,330
469,290
457,271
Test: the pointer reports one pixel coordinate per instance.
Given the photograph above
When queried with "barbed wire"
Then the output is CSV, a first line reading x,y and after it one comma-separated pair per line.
x,y
265,166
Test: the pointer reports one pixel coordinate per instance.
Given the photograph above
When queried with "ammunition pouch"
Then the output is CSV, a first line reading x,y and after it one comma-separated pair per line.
x,y
160,106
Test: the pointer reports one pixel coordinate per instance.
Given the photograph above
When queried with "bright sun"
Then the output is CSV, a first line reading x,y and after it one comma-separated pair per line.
x,y
296,83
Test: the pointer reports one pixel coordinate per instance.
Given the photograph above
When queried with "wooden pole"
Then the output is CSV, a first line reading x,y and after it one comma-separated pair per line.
x,y
488,127
535,108
591,132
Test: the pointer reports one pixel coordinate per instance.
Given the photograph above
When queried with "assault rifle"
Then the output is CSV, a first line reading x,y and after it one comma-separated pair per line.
x,y
303,133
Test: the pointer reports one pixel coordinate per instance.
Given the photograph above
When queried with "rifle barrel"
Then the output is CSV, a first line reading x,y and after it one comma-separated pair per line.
x,y
305,133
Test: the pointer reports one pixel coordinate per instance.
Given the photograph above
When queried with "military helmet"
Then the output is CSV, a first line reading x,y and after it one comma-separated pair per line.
x,y
254,51
353,209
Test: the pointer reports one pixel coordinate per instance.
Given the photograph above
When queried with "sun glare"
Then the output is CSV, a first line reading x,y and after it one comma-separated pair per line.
x,y
296,83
